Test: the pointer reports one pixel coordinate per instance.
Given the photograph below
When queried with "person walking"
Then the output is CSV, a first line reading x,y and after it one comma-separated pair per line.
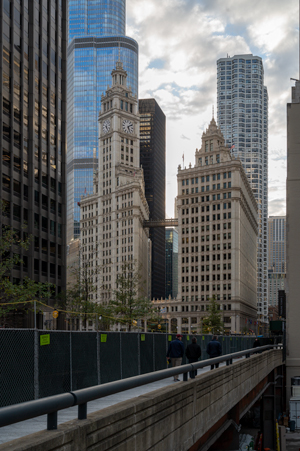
x,y
175,353
214,349
256,343
193,352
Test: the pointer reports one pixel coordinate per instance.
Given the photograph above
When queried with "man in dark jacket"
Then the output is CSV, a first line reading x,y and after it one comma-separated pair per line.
x,y
193,352
175,353
214,349
256,343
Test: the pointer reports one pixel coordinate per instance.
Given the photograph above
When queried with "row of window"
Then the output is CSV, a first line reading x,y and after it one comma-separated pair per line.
x,y
212,159
202,308
126,158
215,217
207,298
212,257
206,207
207,248
206,268
127,149
206,188
208,278
195,288
207,178
6,184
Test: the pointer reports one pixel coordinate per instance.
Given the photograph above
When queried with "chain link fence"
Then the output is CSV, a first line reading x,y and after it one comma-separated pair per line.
x,y
35,364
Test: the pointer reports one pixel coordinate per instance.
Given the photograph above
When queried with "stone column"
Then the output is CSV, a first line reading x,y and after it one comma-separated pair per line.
x,y
189,323
179,325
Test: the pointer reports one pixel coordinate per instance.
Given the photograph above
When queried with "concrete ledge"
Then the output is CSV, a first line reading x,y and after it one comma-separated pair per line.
x,y
172,418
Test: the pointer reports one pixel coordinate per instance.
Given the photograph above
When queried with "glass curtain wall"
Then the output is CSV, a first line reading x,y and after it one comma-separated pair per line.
x,y
96,41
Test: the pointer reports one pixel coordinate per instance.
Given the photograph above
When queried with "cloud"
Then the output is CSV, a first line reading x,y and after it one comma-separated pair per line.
x,y
179,44
277,207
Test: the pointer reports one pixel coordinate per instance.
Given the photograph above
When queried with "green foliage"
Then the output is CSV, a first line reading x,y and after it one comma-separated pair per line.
x,y
77,302
212,324
128,306
16,296
10,243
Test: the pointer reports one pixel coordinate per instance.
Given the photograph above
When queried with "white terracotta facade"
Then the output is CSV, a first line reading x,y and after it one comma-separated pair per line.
x,y
217,243
112,217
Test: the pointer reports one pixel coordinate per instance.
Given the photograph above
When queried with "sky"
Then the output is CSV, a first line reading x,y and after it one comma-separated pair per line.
x,y
179,44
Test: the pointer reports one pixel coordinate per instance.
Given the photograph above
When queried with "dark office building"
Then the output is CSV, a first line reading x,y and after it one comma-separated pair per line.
x,y
153,161
33,140
171,262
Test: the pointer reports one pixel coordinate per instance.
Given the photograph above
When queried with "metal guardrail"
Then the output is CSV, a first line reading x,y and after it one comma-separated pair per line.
x,y
51,405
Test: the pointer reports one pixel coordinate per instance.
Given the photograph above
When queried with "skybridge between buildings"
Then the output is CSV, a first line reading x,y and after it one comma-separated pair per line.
x,y
153,223
194,414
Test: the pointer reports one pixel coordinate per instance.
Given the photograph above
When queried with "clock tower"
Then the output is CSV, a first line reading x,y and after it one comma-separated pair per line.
x,y
119,127
119,192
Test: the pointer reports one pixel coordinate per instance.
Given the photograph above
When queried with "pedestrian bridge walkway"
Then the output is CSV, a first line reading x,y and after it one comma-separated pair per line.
x,y
22,429
164,415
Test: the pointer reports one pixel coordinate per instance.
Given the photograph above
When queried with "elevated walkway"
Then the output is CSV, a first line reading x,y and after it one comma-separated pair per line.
x,y
175,416
161,223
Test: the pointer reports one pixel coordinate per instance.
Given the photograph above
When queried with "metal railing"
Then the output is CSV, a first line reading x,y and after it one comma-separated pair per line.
x,y
51,405
73,360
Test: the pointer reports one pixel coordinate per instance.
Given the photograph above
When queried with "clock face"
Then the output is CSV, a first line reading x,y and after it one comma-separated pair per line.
x,y
127,126
106,126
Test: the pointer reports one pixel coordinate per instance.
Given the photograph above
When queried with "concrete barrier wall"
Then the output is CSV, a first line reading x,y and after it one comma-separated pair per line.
x,y
172,418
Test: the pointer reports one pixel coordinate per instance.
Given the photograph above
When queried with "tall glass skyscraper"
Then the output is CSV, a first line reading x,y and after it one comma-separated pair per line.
x,y
153,161
33,36
171,262
96,41
243,119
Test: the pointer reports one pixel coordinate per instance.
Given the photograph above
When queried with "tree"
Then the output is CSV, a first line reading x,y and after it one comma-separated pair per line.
x,y
19,296
78,300
213,322
128,305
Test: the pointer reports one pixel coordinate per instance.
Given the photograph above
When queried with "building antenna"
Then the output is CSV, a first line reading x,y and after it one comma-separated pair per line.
x,y
213,108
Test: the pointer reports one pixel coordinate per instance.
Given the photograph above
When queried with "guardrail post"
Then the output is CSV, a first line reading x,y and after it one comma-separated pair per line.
x,y
185,377
52,421
82,411
98,358
71,363
227,362
36,365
